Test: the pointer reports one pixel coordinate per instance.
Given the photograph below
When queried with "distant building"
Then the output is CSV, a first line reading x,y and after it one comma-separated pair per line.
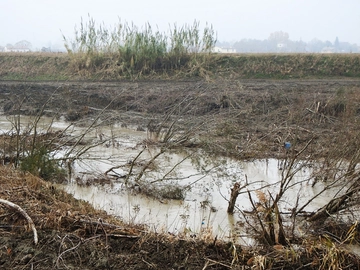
x,y
281,45
21,46
223,50
328,50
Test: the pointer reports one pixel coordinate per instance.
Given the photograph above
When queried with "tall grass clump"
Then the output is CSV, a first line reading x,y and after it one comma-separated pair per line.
x,y
128,51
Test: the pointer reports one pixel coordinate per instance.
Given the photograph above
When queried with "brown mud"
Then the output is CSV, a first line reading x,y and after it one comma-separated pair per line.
x,y
239,118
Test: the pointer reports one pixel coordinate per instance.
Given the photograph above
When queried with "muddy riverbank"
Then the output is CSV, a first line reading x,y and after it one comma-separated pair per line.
x,y
242,119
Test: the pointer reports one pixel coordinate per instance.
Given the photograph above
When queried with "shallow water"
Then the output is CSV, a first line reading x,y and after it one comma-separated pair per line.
x,y
204,209
205,205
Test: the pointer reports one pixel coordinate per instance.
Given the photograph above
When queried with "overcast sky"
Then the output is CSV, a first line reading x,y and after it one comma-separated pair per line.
x,y
42,21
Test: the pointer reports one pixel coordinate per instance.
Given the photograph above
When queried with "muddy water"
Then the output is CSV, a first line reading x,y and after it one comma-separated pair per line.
x,y
203,211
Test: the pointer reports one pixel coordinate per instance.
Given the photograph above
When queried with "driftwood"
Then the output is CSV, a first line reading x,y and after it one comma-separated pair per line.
x,y
25,215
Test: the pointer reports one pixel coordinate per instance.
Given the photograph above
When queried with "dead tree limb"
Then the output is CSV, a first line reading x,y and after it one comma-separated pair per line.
x,y
334,206
25,215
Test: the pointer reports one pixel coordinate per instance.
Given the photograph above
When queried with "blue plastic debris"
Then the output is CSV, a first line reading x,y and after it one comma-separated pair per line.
x,y
287,145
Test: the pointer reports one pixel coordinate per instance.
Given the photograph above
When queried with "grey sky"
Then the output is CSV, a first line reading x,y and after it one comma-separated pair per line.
x,y
40,21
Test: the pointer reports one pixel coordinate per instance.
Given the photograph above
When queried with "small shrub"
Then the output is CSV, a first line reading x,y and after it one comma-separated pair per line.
x,y
40,164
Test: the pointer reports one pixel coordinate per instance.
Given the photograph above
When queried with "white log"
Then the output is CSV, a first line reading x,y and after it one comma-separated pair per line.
x,y
25,215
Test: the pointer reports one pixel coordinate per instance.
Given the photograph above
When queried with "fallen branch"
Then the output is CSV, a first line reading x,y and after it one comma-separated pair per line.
x,y
25,215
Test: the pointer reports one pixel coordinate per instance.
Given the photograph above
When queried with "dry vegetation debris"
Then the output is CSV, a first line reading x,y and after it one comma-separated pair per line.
x,y
73,235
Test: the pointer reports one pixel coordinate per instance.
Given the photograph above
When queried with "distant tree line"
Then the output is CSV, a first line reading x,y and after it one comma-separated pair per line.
x,y
280,42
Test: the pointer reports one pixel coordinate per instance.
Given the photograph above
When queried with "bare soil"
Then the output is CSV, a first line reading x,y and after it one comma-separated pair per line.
x,y
239,118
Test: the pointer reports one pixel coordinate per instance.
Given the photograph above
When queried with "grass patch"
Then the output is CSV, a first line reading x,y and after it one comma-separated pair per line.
x,y
34,66
110,66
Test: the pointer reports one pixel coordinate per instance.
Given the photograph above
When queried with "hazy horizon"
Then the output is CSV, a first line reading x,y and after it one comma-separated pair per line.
x,y
42,22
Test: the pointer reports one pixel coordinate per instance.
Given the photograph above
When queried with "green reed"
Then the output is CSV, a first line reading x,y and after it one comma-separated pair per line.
x,y
128,50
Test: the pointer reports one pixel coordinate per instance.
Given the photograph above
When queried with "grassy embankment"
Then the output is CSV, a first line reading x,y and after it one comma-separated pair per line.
x,y
80,66
125,51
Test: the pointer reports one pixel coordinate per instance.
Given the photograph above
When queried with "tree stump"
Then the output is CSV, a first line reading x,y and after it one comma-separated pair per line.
x,y
234,194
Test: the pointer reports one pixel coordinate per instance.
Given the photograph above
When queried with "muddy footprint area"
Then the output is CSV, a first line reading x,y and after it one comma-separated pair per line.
x,y
238,118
